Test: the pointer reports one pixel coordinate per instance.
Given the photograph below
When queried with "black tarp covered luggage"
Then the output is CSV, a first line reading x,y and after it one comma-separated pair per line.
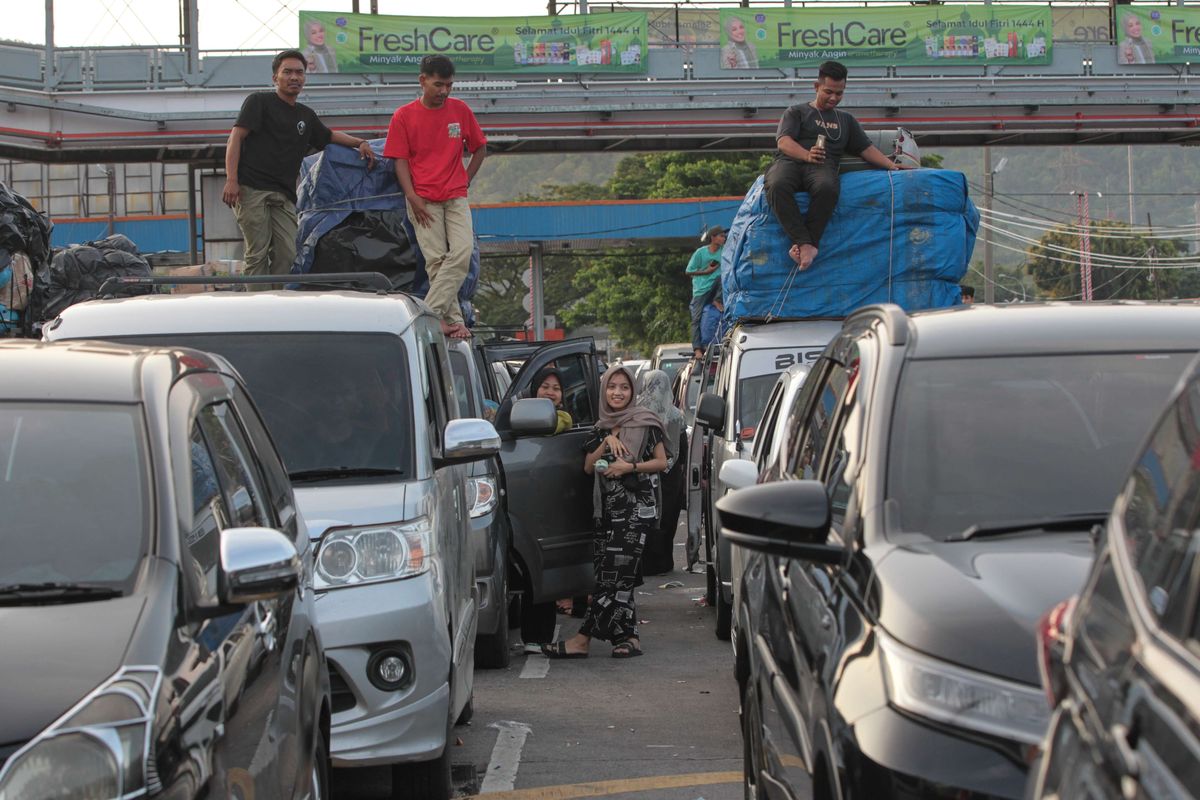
x,y
76,273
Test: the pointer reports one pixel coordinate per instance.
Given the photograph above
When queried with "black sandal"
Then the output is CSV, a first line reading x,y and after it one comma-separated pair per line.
x,y
559,650
626,649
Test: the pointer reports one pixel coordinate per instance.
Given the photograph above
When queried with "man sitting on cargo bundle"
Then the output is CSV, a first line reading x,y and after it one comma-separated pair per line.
x,y
812,139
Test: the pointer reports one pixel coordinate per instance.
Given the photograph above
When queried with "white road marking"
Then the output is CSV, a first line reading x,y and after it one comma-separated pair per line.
x,y
538,666
506,757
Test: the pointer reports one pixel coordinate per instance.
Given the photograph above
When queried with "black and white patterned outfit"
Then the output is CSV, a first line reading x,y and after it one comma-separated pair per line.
x,y
630,510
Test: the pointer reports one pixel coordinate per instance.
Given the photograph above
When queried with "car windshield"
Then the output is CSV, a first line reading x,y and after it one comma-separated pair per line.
x,y
753,394
73,494
993,440
335,403
672,365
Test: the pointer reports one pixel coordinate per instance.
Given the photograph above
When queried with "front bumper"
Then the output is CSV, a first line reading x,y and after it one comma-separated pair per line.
x,y
372,726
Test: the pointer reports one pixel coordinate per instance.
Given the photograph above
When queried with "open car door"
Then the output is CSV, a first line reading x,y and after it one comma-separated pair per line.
x,y
698,459
549,494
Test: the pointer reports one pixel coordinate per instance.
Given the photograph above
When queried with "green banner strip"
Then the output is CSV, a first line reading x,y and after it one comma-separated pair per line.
x,y
590,43
1158,34
896,36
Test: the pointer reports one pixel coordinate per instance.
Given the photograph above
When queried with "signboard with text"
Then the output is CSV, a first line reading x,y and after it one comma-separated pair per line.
x,y
337,42
886,36
1157,34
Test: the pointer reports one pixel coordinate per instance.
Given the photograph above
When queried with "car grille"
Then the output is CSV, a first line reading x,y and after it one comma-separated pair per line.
x,y
341,696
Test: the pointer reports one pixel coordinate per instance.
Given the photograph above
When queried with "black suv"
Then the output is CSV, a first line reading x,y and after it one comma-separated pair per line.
x,y
1123,667
156,605
936,498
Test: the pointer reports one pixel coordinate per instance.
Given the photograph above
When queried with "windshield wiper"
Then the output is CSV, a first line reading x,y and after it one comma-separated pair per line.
x,y
326,473
13,594
1077,521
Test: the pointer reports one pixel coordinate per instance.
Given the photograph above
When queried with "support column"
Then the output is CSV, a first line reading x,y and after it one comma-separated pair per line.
x,y
989,275
49,78
189,24
538,305
192,227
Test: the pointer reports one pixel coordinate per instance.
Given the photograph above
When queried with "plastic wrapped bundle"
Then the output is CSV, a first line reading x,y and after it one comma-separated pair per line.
x,y
76,273
896,237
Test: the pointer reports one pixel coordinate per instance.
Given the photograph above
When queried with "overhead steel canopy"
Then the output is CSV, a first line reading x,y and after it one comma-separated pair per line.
x,y
146,106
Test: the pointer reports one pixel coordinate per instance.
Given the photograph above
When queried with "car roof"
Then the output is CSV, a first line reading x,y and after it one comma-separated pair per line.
x,y
782,333
87,371
1054,327
678,348
218,312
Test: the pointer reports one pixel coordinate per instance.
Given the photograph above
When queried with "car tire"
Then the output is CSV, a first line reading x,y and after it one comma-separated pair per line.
x,y
467,712
710,584
753,758
424,780
724,617
491,650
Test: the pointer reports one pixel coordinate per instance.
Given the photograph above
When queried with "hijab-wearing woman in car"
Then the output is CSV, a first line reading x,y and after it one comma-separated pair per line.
x,y
658,557
537,619
626,454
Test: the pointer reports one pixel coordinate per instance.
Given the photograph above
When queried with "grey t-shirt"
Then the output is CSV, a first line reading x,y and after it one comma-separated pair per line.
x,y
842,132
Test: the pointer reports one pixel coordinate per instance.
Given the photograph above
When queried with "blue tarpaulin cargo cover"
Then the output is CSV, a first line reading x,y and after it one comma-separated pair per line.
x,y
335,184
896,237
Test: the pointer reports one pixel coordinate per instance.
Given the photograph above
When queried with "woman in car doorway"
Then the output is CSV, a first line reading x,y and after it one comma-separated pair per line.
x,y
537,619
626,454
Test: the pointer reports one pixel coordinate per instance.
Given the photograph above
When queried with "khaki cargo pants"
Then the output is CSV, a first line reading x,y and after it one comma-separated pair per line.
x,y
268,223
447,245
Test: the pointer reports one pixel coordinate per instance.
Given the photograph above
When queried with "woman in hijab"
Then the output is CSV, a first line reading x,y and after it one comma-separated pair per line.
x,y
738,53
626,453
658,557
537,619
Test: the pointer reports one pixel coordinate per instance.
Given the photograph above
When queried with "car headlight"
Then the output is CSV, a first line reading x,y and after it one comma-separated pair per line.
x,y
369,554
99,750
941,691
483,495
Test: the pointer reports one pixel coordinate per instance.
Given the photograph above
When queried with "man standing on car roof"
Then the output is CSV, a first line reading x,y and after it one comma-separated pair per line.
x,y
272,135
704,269
426,138
811,139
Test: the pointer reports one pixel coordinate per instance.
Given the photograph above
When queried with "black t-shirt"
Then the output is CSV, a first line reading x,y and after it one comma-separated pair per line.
x,y
842,132
281,135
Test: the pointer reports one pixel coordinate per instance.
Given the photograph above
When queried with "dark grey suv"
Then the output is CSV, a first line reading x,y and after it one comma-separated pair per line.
x,y
156,605
937,497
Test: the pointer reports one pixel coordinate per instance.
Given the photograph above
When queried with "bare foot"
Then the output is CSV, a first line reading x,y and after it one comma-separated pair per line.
x,y
808,254
578,643
698,354
456,330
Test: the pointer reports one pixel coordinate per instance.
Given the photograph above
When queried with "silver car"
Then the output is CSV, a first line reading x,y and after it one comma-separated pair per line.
x,y
357,391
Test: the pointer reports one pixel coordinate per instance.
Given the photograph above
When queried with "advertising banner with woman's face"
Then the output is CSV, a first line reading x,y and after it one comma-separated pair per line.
x,y
339,42
891,36
1158,34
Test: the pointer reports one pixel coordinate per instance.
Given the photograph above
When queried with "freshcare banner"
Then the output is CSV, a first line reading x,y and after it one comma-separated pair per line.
x,y
1158,34
336,42
901,36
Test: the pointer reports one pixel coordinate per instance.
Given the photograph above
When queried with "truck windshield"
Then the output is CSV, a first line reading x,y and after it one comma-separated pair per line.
x,y
73,489
991,440
337,404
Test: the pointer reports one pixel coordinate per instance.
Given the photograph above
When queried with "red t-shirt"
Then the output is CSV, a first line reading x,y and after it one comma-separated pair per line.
x,y
432,140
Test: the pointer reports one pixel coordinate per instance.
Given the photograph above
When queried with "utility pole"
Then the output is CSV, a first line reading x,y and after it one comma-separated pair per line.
x,y
1085,245
1129,167
1150,254
989,276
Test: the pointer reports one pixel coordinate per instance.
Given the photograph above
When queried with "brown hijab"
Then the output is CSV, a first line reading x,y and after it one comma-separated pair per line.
x,y
631,422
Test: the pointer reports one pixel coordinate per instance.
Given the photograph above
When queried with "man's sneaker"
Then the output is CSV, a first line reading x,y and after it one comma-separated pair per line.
x,y
532,649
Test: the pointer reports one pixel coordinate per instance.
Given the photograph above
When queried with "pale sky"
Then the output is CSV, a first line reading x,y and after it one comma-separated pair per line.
x,y
224,24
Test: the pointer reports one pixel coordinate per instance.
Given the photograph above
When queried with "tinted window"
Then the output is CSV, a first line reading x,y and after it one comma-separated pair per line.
x,y
279,489
461,371
209,517
577,398
820,423
329,399
73,493
244,493
1004,439
752,396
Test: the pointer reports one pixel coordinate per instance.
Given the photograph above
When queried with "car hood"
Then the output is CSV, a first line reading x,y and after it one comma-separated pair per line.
x,y
53,655
977,603
339,505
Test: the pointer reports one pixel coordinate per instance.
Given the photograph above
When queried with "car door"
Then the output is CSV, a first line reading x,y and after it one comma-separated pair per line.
x,y
697,458
549,494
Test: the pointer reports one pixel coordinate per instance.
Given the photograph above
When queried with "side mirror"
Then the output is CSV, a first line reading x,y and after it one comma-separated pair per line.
x,y
784,518
533,416
711,411
256,564
467,440
738,473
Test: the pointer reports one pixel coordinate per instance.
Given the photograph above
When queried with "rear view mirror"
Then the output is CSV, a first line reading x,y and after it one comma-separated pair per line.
x,y
256,564
785,518
533,416
711,411
466,440
738,473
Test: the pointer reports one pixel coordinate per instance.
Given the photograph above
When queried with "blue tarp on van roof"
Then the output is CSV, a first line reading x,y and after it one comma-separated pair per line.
x,y
896,237
334,184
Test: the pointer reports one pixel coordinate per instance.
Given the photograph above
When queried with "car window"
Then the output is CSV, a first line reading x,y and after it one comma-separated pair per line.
x,y
766,432
1162,515
577,388
752,396
816,429
209,517
278,487
239,476
461,371
1020,437
843,445
74,493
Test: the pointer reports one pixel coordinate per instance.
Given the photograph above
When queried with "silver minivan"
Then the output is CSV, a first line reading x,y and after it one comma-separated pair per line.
x,y
357,390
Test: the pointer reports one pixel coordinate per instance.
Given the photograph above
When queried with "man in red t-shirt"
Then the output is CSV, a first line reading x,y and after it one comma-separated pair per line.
x,y
426,138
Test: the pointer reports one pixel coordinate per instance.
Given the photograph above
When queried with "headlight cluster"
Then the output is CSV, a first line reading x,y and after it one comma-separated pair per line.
x,y
99,750
482,494
938,690
353,556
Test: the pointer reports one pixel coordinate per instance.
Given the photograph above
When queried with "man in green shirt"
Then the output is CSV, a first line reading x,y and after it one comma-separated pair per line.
x,y
704,267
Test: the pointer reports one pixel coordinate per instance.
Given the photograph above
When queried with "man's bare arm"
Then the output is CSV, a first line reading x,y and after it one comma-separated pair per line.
x,y
875,157
404,177
476,162
233,156
792,149
361,145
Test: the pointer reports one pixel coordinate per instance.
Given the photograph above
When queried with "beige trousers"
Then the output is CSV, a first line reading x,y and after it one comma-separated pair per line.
x,y
268,223
447,246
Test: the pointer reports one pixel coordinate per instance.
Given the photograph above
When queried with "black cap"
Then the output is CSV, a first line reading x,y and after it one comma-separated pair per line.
x,y
715,230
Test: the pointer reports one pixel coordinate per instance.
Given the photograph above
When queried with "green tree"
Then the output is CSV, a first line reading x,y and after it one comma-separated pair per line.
x,y
1054,264
931,160
501,290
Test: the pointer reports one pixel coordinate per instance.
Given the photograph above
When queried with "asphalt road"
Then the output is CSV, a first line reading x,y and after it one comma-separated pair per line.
x,y
663,726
